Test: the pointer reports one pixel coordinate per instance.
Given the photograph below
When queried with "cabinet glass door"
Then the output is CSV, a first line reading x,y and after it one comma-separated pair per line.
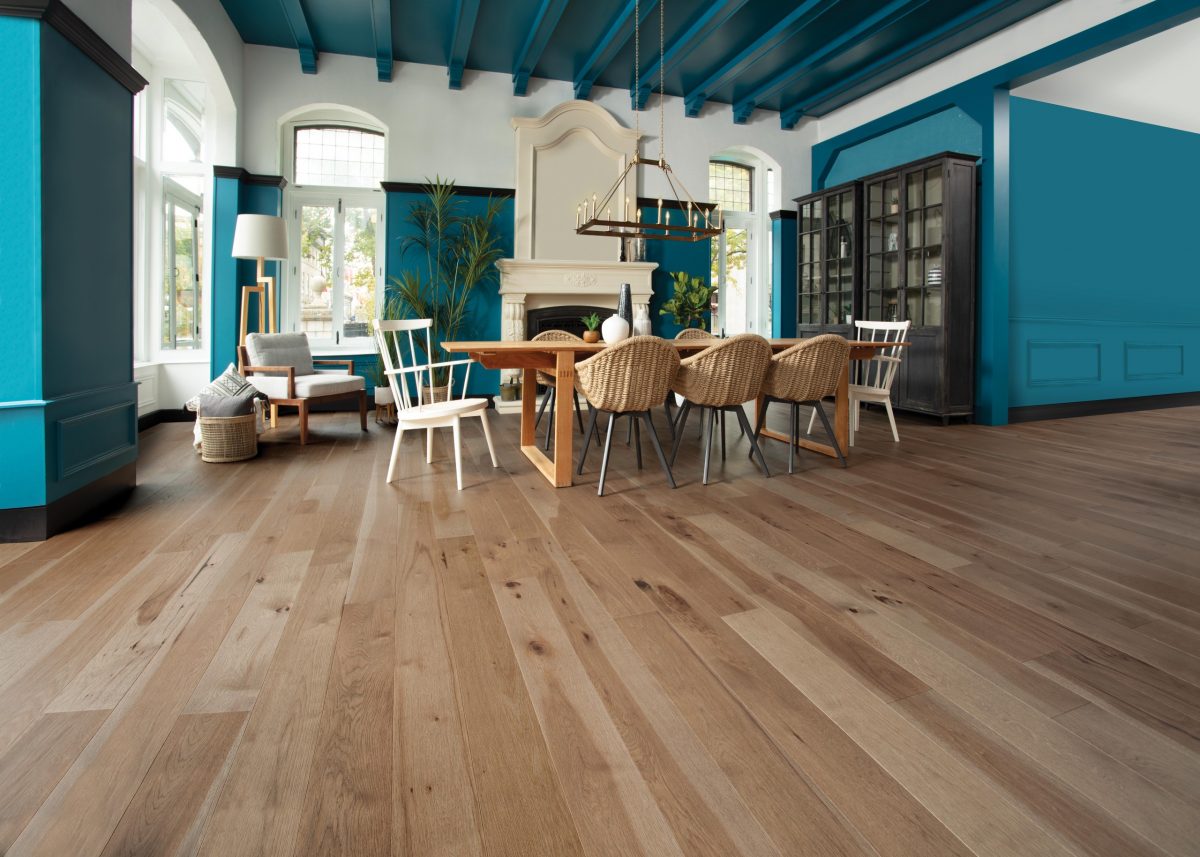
x,y
882,282
839,256
923,221
812,225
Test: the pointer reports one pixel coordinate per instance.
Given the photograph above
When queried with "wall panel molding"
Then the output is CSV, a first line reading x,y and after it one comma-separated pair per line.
x,y
1056,363
88,439
1151,360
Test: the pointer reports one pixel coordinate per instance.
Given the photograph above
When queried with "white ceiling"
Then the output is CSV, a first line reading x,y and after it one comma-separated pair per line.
x,y
1156,80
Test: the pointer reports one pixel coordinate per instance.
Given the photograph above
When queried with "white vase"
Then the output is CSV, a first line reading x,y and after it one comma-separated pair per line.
x,y
614,329
641,323
383,395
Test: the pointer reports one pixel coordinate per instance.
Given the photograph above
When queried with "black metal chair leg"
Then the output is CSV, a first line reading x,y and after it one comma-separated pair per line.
x,y
542,407
578,410
722,418
829,431
793,435
762,417
612,418
668,403
744,422
710,428
680,423
637,438
587,439
662,459
552,396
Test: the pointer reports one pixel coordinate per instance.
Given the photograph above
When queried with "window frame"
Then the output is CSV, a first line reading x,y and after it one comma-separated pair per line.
x,y
293,131
749,168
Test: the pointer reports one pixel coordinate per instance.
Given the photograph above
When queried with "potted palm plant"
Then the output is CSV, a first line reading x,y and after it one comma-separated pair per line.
x,y
592,323
452,252
689,301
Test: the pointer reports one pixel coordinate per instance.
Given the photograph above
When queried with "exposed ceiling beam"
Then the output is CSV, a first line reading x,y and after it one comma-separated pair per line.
x,y
381,20
298,22
544,23
864,29
711,16
460,40
614,38
791,114
792,23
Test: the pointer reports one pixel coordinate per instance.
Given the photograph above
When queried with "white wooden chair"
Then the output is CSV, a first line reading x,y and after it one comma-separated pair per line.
x,y
407,381
872,379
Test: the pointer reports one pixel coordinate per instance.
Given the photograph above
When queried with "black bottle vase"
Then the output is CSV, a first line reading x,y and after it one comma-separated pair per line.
x,y
625,306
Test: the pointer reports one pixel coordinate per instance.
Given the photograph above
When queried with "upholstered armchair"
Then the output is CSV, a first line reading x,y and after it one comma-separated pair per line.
x,y
281,366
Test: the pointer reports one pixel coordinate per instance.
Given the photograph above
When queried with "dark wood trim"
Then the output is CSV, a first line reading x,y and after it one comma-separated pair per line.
x,y
672,204
974,159
460,190
165,415
784,214
75,31
248,178
93,501
1067,410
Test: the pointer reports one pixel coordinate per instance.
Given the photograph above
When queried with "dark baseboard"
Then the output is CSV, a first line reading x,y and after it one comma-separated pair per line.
x,y
1066,410
166,415
95,500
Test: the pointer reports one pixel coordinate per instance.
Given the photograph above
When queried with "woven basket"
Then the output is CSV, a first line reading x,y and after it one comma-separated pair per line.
x,y
225,439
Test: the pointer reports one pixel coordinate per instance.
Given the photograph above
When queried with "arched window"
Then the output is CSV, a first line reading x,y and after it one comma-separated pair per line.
x,y
731,185
336,160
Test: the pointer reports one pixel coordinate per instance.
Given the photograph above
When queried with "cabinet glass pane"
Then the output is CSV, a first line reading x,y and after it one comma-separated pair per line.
x,y
874,306
914,274
814,308
875,273
831,309
846,308
832,278
875,236
933,225
848,207
912,190
933,267
891,305
805,249
912,231
891,194
912,308
891,228
875,200
933,307
891,270
933,186
818,216
847,273
806,217
817,255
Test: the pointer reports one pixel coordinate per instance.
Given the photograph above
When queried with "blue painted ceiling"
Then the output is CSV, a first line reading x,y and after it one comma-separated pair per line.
x,y
796,57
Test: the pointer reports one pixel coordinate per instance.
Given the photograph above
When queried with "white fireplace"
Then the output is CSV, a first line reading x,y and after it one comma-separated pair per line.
x,y
575,150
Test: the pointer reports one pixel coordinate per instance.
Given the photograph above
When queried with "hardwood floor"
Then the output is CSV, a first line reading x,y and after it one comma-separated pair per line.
x,y
982,641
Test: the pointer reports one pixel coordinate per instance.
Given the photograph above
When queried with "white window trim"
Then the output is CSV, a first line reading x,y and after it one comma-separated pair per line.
x,y
757,223
342,198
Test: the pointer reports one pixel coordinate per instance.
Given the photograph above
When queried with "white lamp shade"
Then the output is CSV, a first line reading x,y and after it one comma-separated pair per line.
x,y
260,236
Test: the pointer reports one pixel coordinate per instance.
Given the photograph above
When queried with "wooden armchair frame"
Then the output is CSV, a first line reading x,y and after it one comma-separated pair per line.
x,y
299,402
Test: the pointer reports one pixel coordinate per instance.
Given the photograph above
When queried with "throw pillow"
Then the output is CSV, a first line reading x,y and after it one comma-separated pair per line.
x,y
226,406
229,383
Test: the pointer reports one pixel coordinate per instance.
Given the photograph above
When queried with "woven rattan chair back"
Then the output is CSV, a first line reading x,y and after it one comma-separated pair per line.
x,y
633,375
545,378
729,372
809,371
694,333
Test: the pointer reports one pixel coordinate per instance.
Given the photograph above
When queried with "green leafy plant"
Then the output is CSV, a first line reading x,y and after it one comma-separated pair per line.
x,y
591,322
689,301
456,252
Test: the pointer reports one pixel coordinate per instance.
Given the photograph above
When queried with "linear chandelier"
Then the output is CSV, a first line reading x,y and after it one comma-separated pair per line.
x,y
693,221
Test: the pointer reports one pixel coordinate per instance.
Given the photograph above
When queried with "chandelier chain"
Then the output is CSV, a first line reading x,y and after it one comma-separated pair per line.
x,y
637,67
662,76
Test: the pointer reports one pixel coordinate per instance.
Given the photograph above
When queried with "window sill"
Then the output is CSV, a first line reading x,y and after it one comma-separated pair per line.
x,y
364,347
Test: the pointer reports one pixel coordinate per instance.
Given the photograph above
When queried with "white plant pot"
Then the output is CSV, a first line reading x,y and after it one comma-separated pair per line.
x,y
614,329
641,324
383,395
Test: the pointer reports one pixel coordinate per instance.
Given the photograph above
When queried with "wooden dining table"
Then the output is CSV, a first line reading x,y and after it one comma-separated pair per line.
x,y
558,359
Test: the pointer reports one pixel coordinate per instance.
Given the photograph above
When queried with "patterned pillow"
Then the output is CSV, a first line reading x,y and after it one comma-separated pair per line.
x,y
229,383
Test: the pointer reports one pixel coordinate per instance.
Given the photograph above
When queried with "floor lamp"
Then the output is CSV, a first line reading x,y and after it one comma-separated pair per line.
x,y
260,237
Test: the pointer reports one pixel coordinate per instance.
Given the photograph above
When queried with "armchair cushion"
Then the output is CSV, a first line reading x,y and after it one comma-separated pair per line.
x,y
307,386
280,349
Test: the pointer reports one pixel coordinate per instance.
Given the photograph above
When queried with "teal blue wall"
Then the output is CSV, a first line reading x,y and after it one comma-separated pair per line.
x,y
1105,289
231,197
22,431
671,256
483,320
68,404
783,276
950,130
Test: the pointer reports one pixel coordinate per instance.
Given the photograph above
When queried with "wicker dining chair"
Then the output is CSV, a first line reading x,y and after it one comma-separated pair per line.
x,y
804,375
670,402
627,379
722,378
547,381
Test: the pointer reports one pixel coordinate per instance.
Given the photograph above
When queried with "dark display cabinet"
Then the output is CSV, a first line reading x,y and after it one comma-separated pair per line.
x,y
829,232
916,262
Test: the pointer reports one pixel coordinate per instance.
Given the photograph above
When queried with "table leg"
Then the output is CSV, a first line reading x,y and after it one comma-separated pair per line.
x,y
564,426
841,414
528,403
